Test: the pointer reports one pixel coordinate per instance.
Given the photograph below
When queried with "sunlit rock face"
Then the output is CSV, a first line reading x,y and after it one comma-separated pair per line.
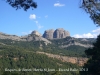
x,y
58,33
36,33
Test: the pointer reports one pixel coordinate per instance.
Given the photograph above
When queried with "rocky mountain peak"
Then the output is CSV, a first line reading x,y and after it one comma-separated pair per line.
x,y
58,33
48,34
36,33
61,33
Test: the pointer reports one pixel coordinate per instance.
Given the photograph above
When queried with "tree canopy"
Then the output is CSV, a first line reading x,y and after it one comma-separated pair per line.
x,y
25,4
93,8
93,63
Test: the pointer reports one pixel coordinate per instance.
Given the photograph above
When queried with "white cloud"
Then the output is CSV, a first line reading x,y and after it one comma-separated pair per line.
x,y
87,35
46,16
92,34
26,33
39,26
36,22
32,16
96,30
58,4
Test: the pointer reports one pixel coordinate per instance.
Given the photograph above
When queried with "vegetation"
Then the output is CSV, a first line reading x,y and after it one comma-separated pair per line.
x,y
90,6
93,8
53,48
94,59
25,4
19,57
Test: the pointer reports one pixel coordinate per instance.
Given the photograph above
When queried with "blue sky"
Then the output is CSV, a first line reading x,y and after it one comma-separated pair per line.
x,y
50,14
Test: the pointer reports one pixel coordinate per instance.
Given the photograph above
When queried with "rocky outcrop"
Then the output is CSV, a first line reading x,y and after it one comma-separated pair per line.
x,y
76,43
48,34
12,37
35,36
58,33
36,33
75,60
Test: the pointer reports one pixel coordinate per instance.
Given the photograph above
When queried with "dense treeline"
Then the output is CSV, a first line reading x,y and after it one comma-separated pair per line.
x,y
15,57
93,64
54,48
22,54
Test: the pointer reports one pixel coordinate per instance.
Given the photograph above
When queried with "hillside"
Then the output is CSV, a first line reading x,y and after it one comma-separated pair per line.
x,y
18,57
35,52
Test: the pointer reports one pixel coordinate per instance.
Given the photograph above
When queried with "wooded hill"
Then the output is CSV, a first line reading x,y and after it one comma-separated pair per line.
x,y
22,54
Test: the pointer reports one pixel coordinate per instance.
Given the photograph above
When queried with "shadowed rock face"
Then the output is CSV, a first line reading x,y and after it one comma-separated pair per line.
x,y
48,34
58,33
61,33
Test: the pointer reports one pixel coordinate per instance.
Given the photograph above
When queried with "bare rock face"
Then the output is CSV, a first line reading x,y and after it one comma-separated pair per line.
x,y
75,60
36,33
61,33
36,36
48,34
58,33
7,36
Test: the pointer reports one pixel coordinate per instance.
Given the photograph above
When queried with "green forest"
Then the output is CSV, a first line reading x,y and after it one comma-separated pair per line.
x,y
20,58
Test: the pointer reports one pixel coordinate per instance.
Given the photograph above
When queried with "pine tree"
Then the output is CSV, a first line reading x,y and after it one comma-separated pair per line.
x,y
93,63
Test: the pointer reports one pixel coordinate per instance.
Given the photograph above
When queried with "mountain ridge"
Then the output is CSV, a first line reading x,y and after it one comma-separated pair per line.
x,y
49,36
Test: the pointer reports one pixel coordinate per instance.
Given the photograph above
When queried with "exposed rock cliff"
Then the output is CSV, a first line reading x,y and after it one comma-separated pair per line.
x,y
12,37
76,43
75,60
60,37
48,34
58,33
36,36
36,33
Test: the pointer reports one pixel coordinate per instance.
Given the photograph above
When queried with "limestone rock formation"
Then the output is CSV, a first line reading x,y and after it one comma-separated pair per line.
x,y
36,33
58,33
61,33
35,36
48,34
75,60
12,37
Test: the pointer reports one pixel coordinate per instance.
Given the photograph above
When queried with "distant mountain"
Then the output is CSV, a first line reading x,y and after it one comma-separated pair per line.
x,y
58,33
54,49
12,37
35,36
59,36
70,41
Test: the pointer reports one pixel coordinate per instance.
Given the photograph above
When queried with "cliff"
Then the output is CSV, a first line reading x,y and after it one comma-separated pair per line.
x,y
75,60
58,33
